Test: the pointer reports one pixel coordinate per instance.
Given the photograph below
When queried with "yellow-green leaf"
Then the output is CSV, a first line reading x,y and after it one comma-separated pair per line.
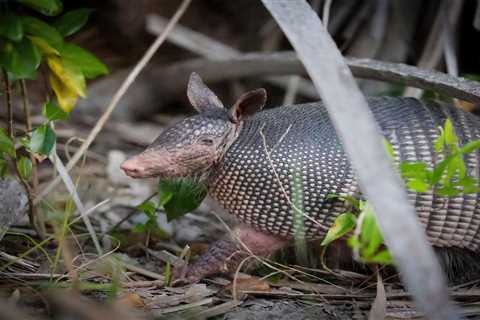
x,y
343,224
68,74
65,96
89,65
43,45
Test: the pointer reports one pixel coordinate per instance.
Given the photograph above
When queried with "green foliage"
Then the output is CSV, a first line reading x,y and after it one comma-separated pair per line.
x,y
6,144
42,140
11,27
24,166
53,112
72,21
449,177
343,224
149,208
20,59
46,7
26,41
88,64
180,197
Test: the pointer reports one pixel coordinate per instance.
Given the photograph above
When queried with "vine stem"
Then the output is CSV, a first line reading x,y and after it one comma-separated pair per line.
x,y
39,222
11,133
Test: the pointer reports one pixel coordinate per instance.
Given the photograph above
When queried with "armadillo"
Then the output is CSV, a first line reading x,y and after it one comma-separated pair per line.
x,y
252,161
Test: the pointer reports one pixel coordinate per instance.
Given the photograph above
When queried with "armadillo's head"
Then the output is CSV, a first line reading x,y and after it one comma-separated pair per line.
x,y
191,147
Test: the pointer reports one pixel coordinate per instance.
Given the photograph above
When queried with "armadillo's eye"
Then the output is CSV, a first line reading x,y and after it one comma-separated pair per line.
x,y
206,141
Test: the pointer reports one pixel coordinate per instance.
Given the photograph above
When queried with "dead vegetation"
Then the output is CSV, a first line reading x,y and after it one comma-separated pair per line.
x,y
93,263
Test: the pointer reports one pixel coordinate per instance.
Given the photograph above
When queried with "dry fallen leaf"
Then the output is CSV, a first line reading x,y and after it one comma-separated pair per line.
x,y
131,300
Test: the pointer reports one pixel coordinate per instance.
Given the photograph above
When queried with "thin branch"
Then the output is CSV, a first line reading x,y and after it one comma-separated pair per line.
x,y
118,95
8,101
37,220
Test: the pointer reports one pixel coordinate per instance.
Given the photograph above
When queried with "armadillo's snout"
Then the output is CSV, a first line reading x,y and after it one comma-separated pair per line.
x,y
133,168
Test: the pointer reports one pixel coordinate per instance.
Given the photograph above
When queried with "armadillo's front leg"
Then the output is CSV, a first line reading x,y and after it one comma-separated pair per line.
x,y
226,255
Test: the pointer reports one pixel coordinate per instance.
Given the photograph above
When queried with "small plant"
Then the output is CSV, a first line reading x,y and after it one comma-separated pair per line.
x,y
32,41
448,177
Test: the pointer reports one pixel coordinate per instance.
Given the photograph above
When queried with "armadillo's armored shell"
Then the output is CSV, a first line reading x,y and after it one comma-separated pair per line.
x,y
290,157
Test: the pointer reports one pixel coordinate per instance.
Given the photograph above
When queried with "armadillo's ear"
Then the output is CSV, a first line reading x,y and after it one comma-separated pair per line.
x,y
248,103
200,96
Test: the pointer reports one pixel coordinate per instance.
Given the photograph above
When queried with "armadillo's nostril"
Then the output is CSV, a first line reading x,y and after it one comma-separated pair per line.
x,y
131,167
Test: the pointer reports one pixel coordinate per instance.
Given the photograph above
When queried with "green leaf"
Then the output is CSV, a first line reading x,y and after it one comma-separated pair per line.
x,y
53,112
43,46
417,170
451,138
20,59
389,148
149,208
470,147
43,140
383,257
46,7
370,233
185,197
38,28
72,21
69,74
89,65
24,166
418,185
3,168
343,224
11,26
6,144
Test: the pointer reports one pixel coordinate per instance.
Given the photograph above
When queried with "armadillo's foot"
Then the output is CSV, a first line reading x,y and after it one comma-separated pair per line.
x,y
224,256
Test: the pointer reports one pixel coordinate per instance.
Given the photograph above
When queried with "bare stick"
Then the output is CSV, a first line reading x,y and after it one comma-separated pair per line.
x,y
362,141
202,45
118,95
37,220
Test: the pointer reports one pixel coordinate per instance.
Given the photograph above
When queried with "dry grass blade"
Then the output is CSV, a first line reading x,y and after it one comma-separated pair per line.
x,y
63,174
363,144
117,96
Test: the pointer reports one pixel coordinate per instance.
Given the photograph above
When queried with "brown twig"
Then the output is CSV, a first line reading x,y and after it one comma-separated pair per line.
x,y
11,133
37,220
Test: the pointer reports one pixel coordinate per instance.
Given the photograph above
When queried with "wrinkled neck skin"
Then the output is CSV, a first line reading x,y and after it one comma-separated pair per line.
x,y
229,140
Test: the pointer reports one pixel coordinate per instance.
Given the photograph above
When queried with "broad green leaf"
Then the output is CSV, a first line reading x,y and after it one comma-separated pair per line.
x,y
383,257
470,147
69,74
186,196
53,112
343,224
451,138
11,26
46,7
24,166
43,140
6,144
149,208
417,170
139,228
43,46
65,96
3,168
72,21
165,197
370,233
418,185
38,28
88,64
20,59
